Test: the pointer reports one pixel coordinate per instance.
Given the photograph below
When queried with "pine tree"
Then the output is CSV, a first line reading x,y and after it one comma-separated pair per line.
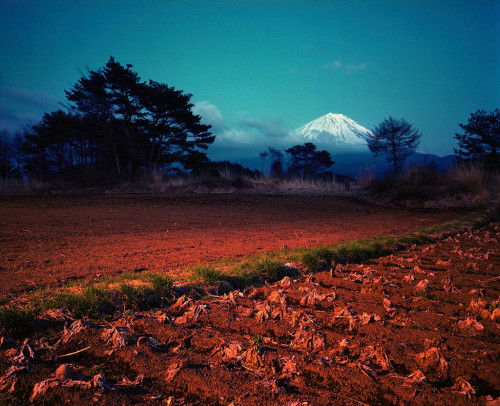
x,y
481,138
306,161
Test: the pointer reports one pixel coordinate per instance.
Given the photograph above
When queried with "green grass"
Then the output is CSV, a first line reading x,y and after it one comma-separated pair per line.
x,y
92,301
16,322
205,273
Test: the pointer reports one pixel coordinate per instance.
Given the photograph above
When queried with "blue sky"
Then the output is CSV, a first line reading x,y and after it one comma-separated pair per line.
x,y
258,69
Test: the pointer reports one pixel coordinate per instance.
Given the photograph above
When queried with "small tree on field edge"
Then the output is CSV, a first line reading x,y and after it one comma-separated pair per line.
x,y
394,139
481,138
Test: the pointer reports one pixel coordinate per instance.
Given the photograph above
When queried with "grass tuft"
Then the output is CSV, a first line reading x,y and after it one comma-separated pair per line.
x,y
16,322
206,273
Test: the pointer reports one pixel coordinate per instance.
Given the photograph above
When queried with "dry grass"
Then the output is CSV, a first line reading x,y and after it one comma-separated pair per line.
x,y
468,178
226,182
466,184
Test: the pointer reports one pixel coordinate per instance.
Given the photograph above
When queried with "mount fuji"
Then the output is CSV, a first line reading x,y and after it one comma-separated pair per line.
x,y
334,130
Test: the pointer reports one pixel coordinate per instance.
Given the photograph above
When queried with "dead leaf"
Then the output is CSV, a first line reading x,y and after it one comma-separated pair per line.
x,y
263,311
463,387
42,387
285,282
100,382
289,368
423,286
9,380
172,370
433,363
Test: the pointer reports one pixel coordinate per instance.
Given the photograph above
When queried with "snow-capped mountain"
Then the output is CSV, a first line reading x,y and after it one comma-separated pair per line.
x,y
333,129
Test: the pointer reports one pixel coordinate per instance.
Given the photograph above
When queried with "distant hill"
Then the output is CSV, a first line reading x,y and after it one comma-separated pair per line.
x,y
344,139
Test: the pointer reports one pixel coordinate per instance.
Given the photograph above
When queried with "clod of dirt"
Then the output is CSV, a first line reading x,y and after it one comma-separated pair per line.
x,y
311,298
64,371
42,387
449,286
127,383
231,296
26,354
409,278
463,387
366,318
277,296
389,308
301,317
470,324
416,377
434,364
478,308
495,316
163,318
9,380
423,286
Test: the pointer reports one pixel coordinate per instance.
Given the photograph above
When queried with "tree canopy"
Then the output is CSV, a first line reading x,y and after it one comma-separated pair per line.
x,y
117,126
395,139
306,161
481,138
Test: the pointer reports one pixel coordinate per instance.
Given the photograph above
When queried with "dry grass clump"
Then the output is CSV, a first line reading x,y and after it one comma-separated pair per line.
x,y
468,178
465,184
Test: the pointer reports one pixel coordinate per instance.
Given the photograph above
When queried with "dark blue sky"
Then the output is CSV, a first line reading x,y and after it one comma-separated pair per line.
x,y
258,69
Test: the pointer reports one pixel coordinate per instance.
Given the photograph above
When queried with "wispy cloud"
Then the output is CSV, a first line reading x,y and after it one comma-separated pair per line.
x,y
210,114
346,67
245,140
273,128
19,106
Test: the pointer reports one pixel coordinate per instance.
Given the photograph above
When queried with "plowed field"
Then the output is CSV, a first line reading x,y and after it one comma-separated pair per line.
x,y
420,327
49,240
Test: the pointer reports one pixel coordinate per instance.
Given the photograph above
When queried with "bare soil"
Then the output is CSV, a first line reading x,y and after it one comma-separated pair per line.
x,y
419,327
50,240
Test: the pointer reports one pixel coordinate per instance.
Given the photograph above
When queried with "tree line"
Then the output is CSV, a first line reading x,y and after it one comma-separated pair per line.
x,y
114,128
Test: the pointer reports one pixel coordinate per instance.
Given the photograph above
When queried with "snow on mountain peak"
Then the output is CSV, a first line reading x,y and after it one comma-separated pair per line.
x,y
334,129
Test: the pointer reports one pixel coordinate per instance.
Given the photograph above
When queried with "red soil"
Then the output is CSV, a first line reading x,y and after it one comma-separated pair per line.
x,y
420,327
49,240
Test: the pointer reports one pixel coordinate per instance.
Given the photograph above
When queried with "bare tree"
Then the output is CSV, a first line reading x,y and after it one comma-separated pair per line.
x,y
395,139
